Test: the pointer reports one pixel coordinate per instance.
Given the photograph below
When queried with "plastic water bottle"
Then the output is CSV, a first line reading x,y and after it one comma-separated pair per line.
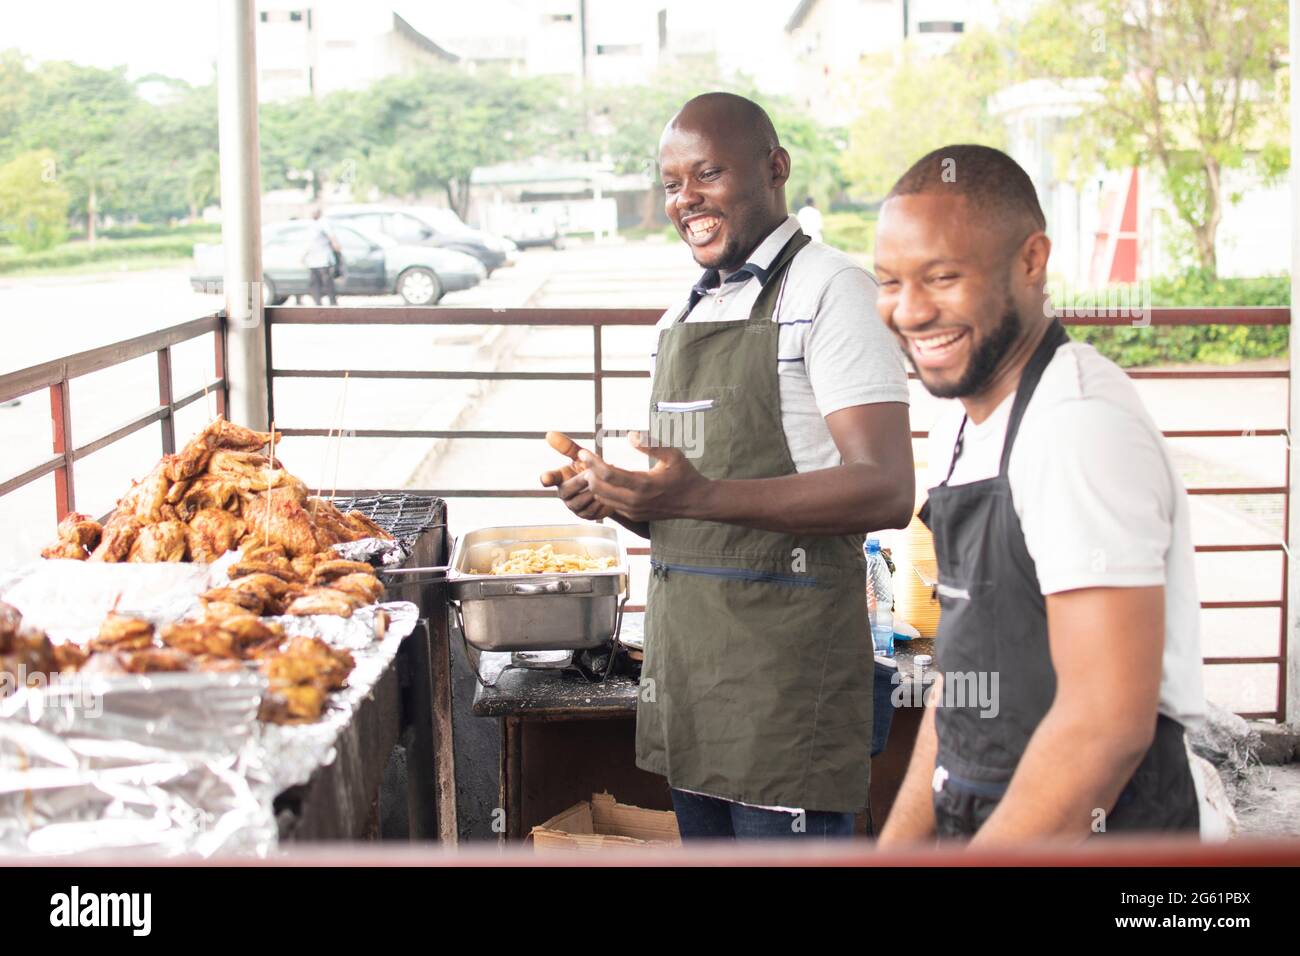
x,y
880,600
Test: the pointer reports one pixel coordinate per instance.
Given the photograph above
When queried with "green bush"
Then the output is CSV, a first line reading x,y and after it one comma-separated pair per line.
x,y
109,250
33,206
850,231
1214,344
141,230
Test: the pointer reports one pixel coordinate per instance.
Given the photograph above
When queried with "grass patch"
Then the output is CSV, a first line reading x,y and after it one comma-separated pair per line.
x,y
106,255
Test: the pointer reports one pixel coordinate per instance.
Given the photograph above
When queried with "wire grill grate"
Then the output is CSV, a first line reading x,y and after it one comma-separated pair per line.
x,y
405,517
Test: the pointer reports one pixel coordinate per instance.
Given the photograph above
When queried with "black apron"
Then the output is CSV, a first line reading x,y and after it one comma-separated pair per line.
x,y
994,621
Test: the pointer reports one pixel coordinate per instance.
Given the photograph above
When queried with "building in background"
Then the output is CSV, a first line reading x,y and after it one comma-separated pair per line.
x,y
316,48
1115,225
830,41
596,41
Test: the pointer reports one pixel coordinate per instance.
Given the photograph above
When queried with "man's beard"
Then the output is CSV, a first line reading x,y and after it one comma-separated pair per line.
x,y
728,260
984,361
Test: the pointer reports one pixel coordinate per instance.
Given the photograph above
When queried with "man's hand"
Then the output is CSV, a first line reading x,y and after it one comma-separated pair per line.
x,y
670,489
571,480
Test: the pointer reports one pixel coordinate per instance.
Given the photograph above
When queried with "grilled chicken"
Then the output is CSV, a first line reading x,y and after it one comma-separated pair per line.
x,y
207,491
146,498
200,637
274,517
119,535
364,587
247,599
326,571
121,632
78,535
164,541
322,601
211,533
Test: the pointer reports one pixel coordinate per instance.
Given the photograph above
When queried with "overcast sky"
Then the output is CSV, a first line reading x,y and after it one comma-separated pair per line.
x,y
179,37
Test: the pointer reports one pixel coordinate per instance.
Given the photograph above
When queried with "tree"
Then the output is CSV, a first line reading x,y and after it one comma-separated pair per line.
x,y
432,129
920,103
77,113
33,206
1195,87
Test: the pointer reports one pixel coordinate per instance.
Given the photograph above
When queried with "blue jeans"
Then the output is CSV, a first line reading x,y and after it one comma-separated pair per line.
x,y
712,818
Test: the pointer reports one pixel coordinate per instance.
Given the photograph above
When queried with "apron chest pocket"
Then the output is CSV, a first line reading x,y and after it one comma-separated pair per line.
x,y
697,426
702,405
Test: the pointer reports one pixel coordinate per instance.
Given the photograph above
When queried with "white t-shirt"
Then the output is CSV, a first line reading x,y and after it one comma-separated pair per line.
x,y
1099,500
320,249
834,352
810,221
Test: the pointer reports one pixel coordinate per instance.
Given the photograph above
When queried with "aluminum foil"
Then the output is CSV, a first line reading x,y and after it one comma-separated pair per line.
x,y
69,600
172,764
154,763
380,552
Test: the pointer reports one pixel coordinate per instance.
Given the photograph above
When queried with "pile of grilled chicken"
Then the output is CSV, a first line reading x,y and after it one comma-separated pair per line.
x,y
268,581
300,672
27,656
217,494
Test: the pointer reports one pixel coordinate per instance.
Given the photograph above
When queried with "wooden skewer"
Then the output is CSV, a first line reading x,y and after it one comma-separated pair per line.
x,y
338,453
329,435
270,467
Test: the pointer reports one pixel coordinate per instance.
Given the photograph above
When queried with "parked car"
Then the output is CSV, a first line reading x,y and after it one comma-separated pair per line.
x,y
373,264
446,220
414,227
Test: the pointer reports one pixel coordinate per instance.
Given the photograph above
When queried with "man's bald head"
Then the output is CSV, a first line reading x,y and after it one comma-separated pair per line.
x,y
724,174
726,114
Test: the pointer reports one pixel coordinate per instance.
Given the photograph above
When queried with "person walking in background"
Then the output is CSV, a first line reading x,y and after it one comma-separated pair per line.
x,y
810,220
322,248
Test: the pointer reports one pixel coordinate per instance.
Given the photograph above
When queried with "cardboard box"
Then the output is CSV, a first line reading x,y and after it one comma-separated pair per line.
x,y
602,823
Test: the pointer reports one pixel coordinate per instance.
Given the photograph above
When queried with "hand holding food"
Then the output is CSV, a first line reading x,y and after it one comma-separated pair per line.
x,y
669,489
571,480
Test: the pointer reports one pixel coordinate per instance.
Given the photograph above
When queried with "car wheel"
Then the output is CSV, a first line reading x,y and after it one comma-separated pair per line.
x,y
269,296
419,287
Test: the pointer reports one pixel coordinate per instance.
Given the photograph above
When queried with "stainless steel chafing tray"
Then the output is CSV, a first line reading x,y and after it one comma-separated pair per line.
x,y
570,610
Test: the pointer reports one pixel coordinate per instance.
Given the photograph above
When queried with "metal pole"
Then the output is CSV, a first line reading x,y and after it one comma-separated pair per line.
x,y
241,212
1292,674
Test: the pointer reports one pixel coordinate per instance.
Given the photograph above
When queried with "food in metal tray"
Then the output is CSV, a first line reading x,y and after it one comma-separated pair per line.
x,y
218,493
545,560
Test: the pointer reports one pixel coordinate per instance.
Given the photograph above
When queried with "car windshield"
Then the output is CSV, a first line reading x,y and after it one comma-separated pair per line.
x,y
373,236
442,219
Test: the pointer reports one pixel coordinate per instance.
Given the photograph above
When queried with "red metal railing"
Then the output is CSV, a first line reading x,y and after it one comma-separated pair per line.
x,y
56,376
598,319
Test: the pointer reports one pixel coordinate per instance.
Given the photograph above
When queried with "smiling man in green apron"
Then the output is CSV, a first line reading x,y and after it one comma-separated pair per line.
x,y
1068,652
779,433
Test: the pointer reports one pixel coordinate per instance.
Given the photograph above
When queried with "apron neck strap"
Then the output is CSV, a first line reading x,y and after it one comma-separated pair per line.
x,y
1053,338
769,298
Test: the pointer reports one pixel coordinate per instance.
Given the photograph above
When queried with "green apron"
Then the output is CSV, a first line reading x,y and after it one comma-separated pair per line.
x,y
757,679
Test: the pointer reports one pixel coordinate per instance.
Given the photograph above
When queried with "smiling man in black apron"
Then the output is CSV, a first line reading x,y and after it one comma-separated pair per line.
x,y
780,435
1068,652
